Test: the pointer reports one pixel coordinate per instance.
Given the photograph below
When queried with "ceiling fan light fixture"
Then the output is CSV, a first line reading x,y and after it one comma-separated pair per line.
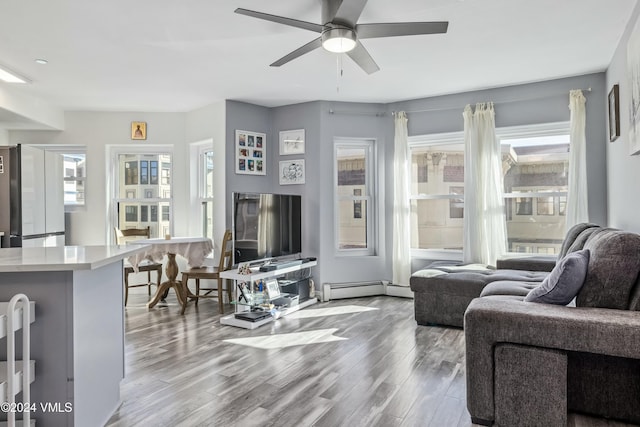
x,y
339,40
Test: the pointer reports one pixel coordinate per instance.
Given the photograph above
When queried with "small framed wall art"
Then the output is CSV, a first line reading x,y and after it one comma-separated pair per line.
x,y
138,130
292,172
614,113
251,153
292,142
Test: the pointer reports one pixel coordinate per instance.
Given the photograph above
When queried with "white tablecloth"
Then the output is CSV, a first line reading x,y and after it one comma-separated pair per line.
x,y
193,249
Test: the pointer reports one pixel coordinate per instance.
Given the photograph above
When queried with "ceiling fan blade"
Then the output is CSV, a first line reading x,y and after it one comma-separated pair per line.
x,y
392,29
314,44
349,11
361,56
281,20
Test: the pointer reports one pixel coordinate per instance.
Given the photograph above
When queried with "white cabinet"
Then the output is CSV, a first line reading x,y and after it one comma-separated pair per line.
x,y
54,197
33,190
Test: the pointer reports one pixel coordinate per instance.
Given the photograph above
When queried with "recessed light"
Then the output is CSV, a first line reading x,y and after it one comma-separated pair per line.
x,y
41,61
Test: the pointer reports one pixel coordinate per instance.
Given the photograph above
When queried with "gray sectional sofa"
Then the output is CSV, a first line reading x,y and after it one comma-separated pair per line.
x,y
444,290
530,363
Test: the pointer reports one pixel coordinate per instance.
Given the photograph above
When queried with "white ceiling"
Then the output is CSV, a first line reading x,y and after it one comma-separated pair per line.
x,y
161,55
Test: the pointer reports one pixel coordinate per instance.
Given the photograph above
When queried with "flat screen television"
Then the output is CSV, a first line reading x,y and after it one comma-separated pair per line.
x,y
266,226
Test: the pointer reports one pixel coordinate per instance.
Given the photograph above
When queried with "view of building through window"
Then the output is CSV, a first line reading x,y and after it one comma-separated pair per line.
x,y
143,200
354,196
534,170
74,165
206,192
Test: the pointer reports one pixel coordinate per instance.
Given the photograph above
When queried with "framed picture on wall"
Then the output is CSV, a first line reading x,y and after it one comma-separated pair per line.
x,y
633,91
251,153
292,172
614,113
138,130
292,142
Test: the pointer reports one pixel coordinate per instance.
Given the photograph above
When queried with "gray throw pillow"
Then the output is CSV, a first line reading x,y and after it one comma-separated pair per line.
x,y
564,281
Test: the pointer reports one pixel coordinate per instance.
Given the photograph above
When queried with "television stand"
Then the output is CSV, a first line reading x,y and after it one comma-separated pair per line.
x,y
252,280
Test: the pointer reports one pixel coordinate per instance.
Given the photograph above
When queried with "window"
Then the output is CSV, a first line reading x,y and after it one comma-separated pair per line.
x,y
535,162
154,172
166,174
206,192
456,206
535,169
354,200
144,172
131,213
357,205
131,173
137,200
74,165
437,192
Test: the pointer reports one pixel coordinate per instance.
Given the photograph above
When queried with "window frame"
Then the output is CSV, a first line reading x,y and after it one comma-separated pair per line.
x,y
71,207
431,140
113,181
369,196
534,130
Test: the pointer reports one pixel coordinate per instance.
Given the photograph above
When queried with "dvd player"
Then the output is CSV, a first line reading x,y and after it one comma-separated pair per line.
x,y
253,316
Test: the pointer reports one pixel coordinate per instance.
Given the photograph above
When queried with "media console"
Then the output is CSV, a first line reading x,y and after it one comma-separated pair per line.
x,y
250,305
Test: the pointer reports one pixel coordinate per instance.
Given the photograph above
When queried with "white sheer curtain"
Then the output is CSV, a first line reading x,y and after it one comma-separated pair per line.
x,y
401,208
485,234
577,201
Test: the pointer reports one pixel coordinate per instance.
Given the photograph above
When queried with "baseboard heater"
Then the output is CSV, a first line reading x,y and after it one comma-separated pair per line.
x,y
352,290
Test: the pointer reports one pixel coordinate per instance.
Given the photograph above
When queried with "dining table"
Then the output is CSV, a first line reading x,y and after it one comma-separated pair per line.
x,y
194,249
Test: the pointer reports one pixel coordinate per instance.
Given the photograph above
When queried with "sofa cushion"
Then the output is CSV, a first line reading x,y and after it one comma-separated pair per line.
x,y
576,237
613,270
509,287
564,281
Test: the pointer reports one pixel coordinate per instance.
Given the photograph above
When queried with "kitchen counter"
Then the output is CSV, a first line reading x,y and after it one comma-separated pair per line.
x,y
61,258
77,338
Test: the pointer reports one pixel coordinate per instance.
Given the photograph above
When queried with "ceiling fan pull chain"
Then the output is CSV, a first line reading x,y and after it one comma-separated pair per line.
x,y
338,71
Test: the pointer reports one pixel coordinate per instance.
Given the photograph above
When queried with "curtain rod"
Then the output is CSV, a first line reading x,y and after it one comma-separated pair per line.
x,y
506,101
358,113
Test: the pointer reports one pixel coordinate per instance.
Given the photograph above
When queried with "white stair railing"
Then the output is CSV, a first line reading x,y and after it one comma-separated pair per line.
x,y
19,301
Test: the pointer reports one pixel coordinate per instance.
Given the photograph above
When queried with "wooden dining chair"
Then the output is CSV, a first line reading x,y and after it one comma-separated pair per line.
x,y
132,234
211,273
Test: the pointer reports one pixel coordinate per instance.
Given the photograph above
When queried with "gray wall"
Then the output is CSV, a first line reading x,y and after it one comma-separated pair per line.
x,y
352,121
323,121
623,172
97,131
534,103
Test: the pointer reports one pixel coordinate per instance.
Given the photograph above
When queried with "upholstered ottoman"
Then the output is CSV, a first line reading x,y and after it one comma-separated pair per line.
x,y
442,291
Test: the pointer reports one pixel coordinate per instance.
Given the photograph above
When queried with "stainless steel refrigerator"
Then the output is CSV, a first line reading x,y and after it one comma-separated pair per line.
x,y
31,197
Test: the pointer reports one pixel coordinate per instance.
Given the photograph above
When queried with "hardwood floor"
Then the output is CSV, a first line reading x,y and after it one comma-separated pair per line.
x,y
384,371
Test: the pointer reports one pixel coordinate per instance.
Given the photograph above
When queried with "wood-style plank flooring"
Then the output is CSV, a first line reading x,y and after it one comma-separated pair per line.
x,y
383,371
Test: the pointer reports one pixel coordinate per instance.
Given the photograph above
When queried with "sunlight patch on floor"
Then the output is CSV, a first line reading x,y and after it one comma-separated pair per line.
x,y
268,342
331,311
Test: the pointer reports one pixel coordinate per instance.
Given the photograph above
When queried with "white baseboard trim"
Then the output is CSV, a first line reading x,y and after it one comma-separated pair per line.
x,y
332,291
399,291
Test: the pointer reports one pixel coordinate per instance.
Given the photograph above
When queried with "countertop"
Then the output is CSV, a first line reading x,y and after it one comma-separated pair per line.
x,y
64,258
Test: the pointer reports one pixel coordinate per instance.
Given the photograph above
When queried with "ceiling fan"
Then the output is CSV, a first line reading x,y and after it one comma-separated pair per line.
x,y
341,32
